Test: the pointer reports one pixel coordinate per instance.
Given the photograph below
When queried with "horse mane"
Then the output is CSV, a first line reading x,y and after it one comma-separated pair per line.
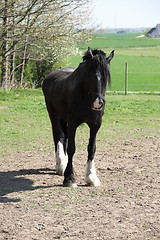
x,y
94,52
99,60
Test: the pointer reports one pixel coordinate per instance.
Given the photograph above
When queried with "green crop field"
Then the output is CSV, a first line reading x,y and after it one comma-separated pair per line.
x,y
142,55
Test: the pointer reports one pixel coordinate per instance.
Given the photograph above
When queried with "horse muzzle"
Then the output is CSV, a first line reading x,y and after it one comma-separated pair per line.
x,y
98,104
97,101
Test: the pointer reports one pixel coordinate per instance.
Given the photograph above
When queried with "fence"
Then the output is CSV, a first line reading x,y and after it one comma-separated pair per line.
x,y
132,81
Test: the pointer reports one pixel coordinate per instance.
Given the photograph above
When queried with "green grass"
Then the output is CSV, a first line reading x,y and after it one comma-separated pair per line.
x,y
141,54
143,73
132,113
25,125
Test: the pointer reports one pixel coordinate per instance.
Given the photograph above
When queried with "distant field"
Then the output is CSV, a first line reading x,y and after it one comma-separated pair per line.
x,y
141,54
124,40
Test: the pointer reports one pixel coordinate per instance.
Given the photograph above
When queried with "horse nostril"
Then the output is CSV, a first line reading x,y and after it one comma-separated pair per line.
x,y
101,102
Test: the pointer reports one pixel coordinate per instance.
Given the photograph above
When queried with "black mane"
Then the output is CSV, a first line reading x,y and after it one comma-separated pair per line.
x,y
99,59
95,52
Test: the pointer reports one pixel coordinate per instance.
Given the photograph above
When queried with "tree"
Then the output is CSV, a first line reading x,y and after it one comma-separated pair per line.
x,y
40,31
4,34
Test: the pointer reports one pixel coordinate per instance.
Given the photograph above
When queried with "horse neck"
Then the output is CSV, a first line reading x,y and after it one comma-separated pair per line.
x,y
82,77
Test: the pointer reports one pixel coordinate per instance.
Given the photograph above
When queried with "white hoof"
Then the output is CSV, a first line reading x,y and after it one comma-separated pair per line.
x,y
74,185
61,159
71,185
91,177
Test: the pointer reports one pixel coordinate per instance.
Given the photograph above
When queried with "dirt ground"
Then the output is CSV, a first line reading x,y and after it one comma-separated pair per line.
x,y
34,205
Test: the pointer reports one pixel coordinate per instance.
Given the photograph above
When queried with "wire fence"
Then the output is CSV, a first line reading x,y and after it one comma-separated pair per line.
x,y
130,81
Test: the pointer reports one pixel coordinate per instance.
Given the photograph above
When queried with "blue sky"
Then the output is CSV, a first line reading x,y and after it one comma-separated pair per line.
x,y
126,13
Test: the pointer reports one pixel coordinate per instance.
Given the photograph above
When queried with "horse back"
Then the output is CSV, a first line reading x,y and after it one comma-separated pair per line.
x,y
54,89
56,79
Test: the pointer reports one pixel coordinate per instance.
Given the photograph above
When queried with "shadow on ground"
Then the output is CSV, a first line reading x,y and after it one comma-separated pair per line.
x,y
16,181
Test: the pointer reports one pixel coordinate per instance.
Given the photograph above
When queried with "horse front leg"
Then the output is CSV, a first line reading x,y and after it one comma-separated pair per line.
x,y
91,177
69,179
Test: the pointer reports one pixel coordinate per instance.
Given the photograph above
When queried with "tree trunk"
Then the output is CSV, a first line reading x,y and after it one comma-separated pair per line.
x,y
37,82
12,66
12,69
23,64
4,65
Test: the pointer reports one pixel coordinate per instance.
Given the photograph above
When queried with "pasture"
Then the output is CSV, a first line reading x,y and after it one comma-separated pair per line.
x,y
141,54
33,203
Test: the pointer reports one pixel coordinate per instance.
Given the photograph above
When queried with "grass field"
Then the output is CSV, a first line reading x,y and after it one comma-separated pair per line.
x,y
141,54
25,124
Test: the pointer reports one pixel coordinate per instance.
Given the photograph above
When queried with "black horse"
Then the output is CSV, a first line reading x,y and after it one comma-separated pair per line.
x,y
74,97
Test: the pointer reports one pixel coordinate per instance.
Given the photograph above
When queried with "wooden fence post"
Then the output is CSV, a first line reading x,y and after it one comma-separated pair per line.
x,y
126,78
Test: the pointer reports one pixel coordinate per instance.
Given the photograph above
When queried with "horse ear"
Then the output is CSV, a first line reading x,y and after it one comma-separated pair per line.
x,y
90,52
111,55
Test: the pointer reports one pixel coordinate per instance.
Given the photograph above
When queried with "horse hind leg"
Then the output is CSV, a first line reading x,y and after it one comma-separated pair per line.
x,y
60,149
59,129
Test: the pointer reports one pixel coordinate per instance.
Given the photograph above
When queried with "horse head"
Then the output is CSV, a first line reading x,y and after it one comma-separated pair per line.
x,y
98,76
